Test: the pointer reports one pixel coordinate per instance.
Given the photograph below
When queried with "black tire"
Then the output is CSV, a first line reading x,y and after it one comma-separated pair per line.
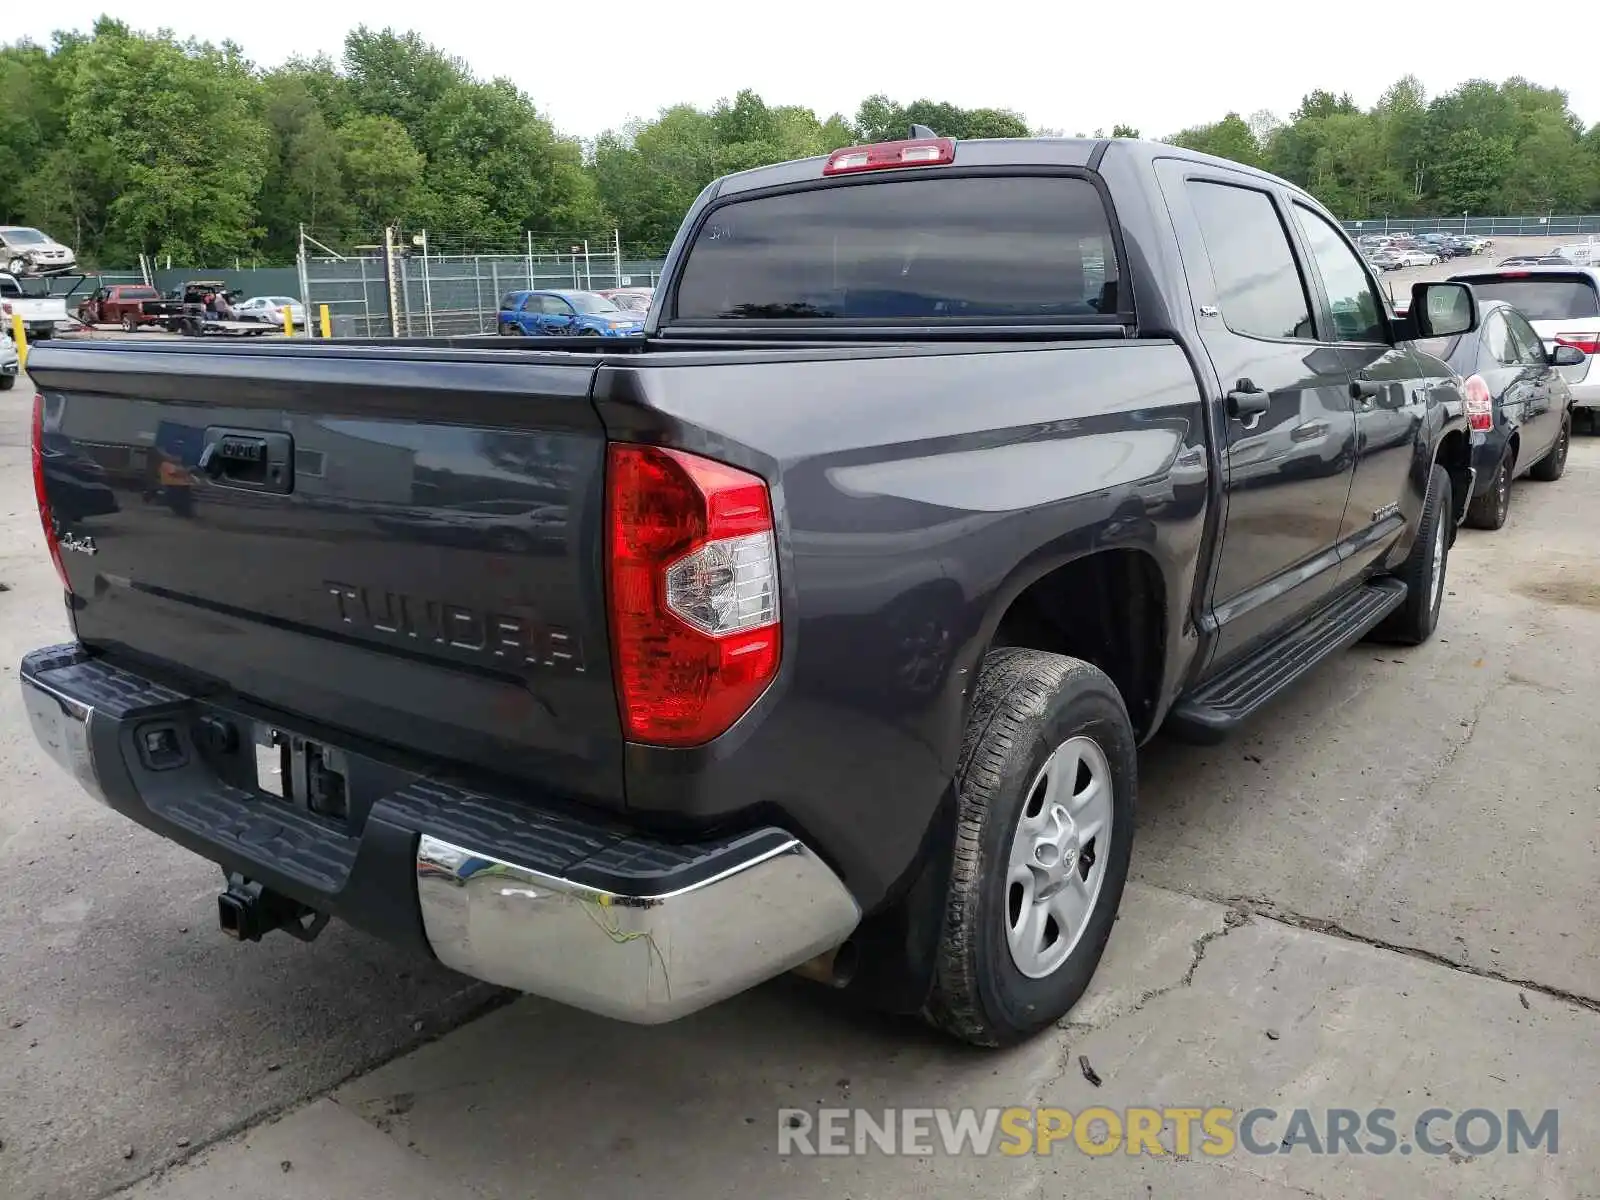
x,y
129,325
1554,464
510,331
1489,511
1027,704
7,382
1414,621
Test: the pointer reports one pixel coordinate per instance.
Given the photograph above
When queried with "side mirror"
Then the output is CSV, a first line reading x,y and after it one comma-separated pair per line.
x,y
1441,310
1568,356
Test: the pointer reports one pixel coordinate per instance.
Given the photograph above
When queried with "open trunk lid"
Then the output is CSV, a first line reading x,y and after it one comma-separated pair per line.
x,y
403,545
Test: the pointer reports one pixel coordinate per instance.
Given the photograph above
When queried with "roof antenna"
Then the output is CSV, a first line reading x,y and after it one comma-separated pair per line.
x,y
921,132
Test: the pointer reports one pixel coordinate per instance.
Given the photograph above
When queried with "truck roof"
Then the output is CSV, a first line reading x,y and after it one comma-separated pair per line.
x,y
1001,152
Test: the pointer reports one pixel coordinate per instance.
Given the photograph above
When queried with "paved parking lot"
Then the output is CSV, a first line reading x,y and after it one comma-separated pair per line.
x,y
1382,895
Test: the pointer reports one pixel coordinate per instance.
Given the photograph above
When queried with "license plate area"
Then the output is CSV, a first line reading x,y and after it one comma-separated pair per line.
x,y
302,772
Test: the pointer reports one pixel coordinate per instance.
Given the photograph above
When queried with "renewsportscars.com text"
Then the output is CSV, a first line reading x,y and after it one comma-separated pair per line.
x,y
1211,1131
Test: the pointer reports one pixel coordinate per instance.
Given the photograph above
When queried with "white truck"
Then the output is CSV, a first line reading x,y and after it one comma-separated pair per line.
x,y
40,314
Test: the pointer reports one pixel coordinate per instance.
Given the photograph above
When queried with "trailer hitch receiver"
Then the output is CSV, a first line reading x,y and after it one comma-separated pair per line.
x,y
247,911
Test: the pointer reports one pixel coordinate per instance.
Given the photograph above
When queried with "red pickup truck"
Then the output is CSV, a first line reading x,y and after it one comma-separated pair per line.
x,y
125,304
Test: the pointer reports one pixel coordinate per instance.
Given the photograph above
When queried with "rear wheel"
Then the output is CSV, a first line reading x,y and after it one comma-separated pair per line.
x,y
1045,791
1423,571
7,382
1554,464
1489,511
507,330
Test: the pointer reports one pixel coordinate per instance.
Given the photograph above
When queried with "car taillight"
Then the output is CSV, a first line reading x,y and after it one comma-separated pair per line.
x,y
1480,404
916,152
1589,343
46,516
693,595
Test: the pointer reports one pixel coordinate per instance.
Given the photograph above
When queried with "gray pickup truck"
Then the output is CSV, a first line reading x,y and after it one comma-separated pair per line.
x,y
816,628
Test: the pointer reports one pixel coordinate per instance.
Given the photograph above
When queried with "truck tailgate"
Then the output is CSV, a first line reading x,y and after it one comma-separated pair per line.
x,y
406,548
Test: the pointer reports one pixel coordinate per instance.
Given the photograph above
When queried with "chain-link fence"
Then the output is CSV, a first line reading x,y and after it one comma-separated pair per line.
x,y
1548,225
427,285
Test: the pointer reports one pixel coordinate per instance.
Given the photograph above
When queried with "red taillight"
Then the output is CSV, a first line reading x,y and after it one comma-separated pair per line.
x,y
917,152
46,517
695,632
1480,404
1589,343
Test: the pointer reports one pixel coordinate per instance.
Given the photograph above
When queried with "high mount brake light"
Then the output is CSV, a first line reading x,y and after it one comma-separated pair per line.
x,y
693,592
881,156
1480,404
47,517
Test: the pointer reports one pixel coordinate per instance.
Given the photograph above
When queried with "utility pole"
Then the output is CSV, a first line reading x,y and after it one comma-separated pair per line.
x,y
389,280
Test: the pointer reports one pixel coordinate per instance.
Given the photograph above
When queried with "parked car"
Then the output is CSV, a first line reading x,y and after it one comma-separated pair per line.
x,y
40,314
561,313
270,309
1581,254
852,618
1386,260
10,362
1563,305
26,251
133,306
1416,257
1518,405
630,299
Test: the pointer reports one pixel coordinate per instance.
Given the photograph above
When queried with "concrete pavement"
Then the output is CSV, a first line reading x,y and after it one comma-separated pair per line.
x,y
1197,1004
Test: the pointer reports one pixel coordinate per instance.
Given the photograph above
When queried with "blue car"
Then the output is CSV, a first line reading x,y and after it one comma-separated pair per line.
x,y
558,314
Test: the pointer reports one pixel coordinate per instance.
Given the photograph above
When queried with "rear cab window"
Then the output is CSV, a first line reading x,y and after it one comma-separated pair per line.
x,y
987,249
1556,296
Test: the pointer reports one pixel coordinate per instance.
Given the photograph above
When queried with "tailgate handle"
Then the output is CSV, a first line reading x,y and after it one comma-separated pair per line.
x,y
256,460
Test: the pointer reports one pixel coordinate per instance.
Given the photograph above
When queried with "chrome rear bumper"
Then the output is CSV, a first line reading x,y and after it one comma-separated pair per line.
x,y
610,921
645,959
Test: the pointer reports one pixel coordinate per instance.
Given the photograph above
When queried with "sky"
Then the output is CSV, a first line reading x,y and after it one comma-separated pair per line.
x,y
591,65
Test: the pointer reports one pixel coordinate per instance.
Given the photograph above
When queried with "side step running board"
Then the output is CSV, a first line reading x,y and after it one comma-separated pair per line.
x,y
1221,705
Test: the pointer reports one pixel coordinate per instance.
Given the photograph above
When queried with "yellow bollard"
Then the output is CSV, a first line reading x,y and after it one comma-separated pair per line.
x,y
19,335
288,322
327,325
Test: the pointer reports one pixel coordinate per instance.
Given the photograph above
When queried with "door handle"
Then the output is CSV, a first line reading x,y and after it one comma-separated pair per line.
x,y
1364,389
1247,400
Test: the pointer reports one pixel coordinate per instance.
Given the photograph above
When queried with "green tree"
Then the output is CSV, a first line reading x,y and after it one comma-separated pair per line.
x,y
1228,138
880,119
379,169
1471,171
173,132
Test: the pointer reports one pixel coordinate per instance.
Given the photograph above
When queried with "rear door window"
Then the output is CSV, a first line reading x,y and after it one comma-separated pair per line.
x,y
924,249
1497,341
1529,349
1259,287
